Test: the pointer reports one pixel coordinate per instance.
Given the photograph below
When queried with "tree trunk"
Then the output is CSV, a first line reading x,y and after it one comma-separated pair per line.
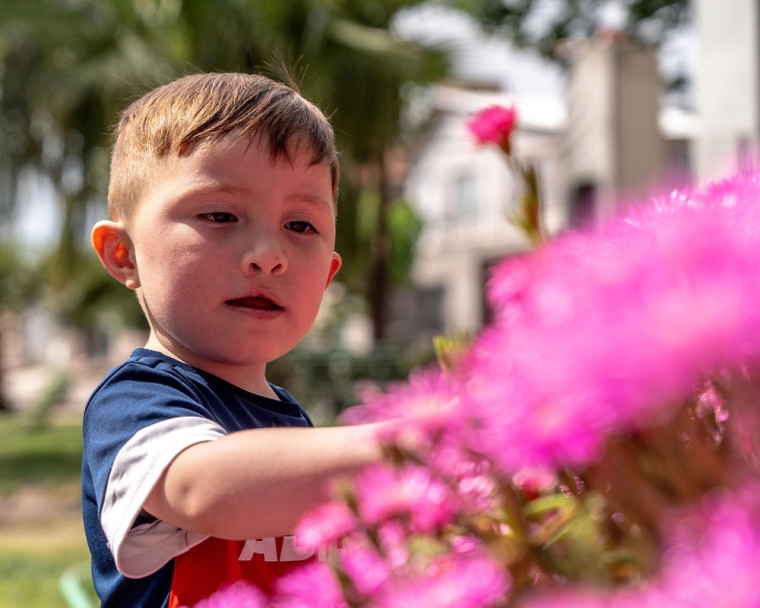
x,y
379,295
5,405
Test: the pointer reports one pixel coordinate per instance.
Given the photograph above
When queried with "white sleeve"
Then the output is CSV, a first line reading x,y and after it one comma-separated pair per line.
x,y
144,549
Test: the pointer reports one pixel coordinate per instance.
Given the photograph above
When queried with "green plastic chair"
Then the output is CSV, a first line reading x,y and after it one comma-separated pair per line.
x,y
75,586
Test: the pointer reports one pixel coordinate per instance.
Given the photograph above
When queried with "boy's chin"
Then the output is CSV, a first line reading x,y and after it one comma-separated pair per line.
x,y
246,359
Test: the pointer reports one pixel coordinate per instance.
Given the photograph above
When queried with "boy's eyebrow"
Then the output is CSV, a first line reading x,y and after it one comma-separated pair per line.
x,y
209,187
317,201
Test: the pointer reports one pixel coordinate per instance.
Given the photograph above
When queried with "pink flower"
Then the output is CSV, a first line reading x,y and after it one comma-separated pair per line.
x,y
534,482
237,595
475,488
392,537
312,586
366,569
461,581
427,395
494,125
410,493
326,523
425,406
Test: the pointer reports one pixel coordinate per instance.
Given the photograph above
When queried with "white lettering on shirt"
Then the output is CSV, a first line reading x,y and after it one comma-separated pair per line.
x,y
290,552
263,546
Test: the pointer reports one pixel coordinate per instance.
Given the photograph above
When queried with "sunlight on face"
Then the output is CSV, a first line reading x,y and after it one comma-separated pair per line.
x,y
234,251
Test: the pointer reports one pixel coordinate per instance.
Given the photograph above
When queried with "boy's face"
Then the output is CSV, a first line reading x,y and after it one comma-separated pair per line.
x,y
232,253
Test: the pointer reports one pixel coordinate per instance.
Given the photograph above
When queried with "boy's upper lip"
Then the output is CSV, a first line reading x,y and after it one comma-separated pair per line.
x,y
261,300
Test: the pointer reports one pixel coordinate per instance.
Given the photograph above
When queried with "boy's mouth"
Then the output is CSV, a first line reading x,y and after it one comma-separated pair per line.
x,y
254,303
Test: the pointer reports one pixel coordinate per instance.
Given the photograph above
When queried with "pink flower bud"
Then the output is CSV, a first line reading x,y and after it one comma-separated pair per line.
x,y
494,125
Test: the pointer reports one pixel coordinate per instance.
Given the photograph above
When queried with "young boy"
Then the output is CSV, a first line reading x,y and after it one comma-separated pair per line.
x,y
222,206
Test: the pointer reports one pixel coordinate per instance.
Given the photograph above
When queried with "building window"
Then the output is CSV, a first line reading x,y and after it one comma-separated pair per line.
x,y
582,205
418,314
464,203
745,157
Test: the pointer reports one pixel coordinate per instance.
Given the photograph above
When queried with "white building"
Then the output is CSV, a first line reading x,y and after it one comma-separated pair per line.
x,y
464,193
604,142
727,87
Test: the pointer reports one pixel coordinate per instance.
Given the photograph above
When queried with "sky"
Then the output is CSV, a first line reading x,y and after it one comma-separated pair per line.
x,y
39,218
492,59
478,57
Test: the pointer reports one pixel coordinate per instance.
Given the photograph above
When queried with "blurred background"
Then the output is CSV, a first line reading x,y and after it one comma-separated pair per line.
x,y
617,100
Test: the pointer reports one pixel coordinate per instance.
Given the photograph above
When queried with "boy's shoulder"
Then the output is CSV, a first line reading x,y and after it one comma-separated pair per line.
x,y
149,383
149,369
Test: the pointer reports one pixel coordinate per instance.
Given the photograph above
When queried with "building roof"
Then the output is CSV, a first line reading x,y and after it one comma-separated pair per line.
x,y
545,112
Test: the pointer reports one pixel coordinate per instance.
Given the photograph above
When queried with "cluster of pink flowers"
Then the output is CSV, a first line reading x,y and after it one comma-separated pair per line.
x,y
596,335
599,333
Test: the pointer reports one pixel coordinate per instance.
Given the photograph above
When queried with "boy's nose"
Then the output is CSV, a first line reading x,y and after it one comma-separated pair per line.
x,y
264,258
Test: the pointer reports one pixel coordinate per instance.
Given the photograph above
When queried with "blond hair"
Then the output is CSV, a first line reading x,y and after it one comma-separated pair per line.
x,y
173,118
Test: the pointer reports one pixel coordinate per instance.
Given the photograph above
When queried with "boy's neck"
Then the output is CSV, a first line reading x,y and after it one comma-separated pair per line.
x,y
251,379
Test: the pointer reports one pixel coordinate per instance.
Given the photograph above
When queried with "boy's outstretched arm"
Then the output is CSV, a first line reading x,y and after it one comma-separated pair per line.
x,y
259,482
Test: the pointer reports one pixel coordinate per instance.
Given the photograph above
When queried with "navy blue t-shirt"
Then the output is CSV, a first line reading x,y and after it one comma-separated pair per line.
x,y
145,412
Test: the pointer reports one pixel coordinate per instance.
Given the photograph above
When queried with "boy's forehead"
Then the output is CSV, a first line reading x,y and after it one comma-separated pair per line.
x,y
298,153
213,161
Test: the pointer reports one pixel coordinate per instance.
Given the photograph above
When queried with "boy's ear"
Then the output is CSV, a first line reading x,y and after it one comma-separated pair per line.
x,y
111,242
335,265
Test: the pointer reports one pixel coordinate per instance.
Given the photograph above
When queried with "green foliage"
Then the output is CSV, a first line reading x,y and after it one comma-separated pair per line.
x,y
356,235
55,391
449,350
50,458
526,214
29,575
19,280
404,226
328,381
33,557
8,287
86,296
325,376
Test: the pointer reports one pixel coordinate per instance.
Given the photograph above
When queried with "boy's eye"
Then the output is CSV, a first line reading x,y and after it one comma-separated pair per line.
x,y
217,217
301,227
